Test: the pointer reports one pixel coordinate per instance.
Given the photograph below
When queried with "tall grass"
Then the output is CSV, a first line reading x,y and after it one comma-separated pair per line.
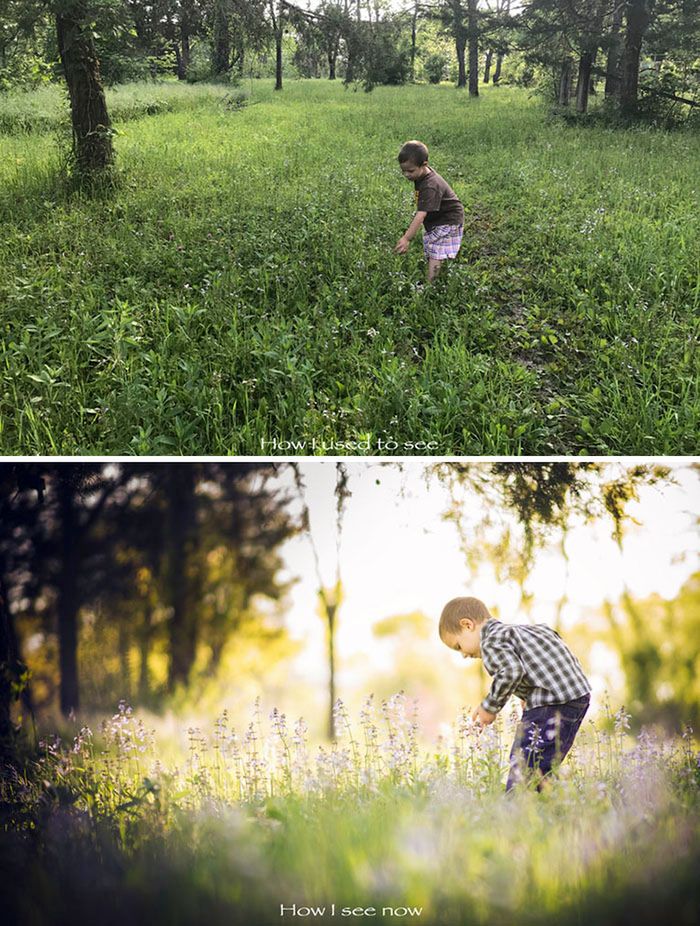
x,y
243,823
237,288
46,109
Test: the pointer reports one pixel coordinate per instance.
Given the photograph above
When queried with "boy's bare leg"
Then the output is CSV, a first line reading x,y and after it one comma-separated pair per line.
x,y
433,268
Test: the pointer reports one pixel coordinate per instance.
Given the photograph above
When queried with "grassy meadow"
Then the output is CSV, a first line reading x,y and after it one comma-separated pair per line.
x,y
230,826
236,289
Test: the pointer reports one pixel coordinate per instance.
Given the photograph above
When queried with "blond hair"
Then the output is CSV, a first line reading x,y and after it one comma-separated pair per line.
x,y
458,608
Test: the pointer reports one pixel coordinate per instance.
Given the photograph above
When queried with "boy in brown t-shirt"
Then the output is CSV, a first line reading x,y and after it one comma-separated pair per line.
x,y
437,208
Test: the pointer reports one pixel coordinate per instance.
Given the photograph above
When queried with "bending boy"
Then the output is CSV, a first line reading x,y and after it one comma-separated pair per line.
x,y
439,210
532,662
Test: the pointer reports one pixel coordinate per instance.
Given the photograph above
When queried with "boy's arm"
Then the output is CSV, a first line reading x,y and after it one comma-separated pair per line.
x,y
410,233
509,672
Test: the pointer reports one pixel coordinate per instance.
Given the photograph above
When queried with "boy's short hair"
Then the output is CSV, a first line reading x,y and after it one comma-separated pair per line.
x,y
458,608
415,152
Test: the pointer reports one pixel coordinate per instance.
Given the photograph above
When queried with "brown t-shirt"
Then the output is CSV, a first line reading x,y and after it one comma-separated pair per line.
x,y
436,197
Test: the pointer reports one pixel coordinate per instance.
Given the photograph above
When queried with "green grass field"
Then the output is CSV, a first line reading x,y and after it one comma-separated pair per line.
x,y
237,288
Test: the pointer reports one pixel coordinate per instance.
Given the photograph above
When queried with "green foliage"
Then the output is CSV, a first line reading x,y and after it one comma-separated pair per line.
x,y
379,53
658,642
435,67
27,44
238,286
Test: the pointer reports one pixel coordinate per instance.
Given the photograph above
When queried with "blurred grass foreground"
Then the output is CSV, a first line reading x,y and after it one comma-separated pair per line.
x,y
257,826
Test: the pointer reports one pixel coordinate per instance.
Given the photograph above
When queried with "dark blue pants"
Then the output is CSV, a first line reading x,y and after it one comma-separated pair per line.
x,y
544,736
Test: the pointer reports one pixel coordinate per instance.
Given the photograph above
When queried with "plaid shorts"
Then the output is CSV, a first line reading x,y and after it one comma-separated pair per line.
x,y
442,241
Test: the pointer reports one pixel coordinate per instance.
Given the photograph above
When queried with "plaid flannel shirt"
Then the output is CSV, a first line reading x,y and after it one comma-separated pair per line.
x,y
530,661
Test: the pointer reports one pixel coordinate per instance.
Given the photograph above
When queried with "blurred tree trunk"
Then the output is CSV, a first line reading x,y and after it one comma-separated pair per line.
x,y
499,65
14,479
7,729
473,23
222,45
179,70
583,84
460,46
124,661
275,9
331,608
186,55
180,541
565,81
414,30
92,130
144,651
278,60
637,14
612,68
487,65
68,598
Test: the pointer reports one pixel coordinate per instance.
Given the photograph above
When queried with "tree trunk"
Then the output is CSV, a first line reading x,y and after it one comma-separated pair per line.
x,y
144,650
222,44
350,67
637,22
414,23
68,598
186,55
473,47
460,44
331,64
92,130
487,66
565,82
584,81
124,661
331,663
499,65
278,60
612,67
7,729
180,543
179,70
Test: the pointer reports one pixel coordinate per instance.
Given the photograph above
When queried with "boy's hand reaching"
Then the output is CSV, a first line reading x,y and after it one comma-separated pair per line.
x,y
483,717
410,233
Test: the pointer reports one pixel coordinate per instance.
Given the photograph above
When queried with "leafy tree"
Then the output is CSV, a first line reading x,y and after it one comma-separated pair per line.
x,y
27,43
435,67
320,35
377,51
658,642
453,16
124,554
497,31
545,497
565,36
463,20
